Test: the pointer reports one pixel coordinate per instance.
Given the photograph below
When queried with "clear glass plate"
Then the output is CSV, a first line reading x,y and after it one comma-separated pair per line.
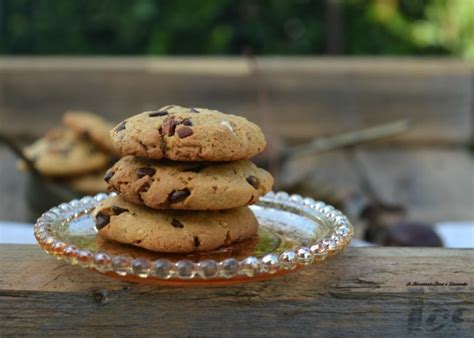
x,y
294,231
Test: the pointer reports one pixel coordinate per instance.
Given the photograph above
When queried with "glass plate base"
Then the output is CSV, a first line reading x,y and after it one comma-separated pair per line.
x,y
293,232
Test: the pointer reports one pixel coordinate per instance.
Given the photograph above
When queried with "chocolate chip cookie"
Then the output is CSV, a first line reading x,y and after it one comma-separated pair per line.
x,y
188,134
188,185
91,126
172,230
62,153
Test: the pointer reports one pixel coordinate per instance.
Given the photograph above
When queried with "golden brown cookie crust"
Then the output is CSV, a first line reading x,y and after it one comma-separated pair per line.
x,y
188,134
173,231
185,185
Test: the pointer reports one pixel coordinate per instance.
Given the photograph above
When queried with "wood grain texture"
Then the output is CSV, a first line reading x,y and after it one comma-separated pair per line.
x,y
307,97
362,292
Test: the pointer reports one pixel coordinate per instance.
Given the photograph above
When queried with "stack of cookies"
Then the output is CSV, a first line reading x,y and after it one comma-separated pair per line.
x,y
75,154
184,181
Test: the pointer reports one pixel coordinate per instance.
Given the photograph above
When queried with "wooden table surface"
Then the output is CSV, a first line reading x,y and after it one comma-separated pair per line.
x,y
364,291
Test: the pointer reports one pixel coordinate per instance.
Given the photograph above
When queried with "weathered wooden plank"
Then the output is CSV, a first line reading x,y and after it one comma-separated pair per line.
x,y
362,292
307,97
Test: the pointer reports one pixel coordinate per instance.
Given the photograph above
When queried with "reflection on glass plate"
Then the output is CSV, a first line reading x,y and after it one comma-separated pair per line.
x,y
293,232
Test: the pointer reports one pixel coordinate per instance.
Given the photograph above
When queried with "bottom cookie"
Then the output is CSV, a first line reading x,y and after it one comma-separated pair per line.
x,y
173,231
238,250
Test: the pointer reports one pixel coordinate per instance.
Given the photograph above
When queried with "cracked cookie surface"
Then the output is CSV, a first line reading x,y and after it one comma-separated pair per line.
x,y
188,185
172,231
188,134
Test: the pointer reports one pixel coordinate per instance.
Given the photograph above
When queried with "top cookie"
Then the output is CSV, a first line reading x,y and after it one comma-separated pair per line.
x,y
91,126
188,134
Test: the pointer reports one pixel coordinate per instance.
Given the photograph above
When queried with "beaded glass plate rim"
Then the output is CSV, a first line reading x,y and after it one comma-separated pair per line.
x,y
208,269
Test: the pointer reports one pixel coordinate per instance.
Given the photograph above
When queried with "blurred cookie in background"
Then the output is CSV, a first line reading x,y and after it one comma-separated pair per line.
x,y
88,184
62,152
91,126
74,156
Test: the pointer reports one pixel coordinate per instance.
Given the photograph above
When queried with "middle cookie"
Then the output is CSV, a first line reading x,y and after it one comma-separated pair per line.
x,y
185,185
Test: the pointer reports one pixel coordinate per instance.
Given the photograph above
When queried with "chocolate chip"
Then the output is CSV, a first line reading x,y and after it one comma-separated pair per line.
x,y
85,135
194,110
184,132
101,220
144,187
142,172
176,223
157,113
118,210
169,126
195,167
252,180
187,122
108,175
112,160
112,189
197,242
121,126
178,195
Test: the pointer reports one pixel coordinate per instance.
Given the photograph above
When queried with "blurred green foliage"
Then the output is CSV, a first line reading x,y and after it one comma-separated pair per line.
x,y
361,27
